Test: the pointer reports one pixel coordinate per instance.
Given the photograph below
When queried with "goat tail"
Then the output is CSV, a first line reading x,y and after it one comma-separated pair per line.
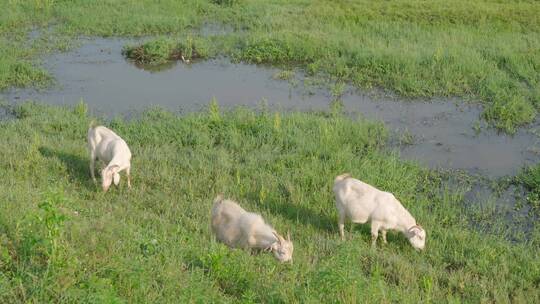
x,y
92,124
219,198
343,177
92,136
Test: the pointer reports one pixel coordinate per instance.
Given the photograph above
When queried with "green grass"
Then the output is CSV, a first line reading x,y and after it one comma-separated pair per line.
x,y
63,240
530,179
481,50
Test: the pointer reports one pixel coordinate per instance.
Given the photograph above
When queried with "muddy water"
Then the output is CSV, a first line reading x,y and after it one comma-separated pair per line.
x,y
5,114
443,133
437,133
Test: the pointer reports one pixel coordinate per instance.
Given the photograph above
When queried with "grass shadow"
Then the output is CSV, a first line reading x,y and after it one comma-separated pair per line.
x,y
356,228
77,167
219,267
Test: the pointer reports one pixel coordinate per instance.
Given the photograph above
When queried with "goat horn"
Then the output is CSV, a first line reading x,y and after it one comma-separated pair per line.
x,y
416,226
279,237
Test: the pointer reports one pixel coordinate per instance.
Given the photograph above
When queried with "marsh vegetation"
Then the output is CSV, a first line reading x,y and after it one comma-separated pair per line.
x,y
486,51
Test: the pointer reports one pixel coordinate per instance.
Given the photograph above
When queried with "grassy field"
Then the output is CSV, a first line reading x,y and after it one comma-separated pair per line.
x,y
63,240
487,51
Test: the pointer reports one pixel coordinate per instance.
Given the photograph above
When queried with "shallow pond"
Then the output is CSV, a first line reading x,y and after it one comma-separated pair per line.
x,y
5,114
437,132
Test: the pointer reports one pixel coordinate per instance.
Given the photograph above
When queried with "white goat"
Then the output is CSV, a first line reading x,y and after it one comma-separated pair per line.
x,y
238,228
361,202
108,147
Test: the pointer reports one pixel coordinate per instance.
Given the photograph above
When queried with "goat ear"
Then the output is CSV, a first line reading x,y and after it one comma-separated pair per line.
x,y
116,178
415,229
114,168
420,229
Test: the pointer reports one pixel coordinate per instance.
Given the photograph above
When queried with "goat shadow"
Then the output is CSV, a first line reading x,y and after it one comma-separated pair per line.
x,y
298,213
363,231
77,167
306,216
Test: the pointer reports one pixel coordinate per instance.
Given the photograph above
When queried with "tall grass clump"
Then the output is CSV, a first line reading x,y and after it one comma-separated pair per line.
x,y
153,243
161,50
156,51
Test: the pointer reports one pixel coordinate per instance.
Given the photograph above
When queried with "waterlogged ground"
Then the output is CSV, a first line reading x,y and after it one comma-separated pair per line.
x,y
438,133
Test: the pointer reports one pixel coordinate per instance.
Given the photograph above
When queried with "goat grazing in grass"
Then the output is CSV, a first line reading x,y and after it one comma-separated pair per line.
x,y
361,202
108,147
238,228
